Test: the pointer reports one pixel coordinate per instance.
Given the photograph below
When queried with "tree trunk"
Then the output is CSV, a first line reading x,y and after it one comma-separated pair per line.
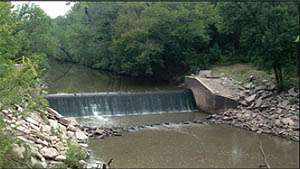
x,y
280,76
276,75
236,41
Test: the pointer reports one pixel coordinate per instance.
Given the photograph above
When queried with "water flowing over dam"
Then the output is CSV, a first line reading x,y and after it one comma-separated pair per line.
x,y
122,103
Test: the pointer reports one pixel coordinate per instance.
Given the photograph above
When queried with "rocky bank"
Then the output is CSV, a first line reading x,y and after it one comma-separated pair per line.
x,y
45,134
263,109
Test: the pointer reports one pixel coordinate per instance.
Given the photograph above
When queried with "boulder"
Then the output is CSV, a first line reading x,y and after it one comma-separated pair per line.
x,y
288,121
99,131
251,98
59,146
72,128
42,142
71,134
82,164
64,121
46,128
258,102
37,155
259,88
73,121
37,163
292,92
81,137
204,73
19,150
32,121
34,127
53,113
49,152
54,124
63,129
249,85
60,158
284,103
83,145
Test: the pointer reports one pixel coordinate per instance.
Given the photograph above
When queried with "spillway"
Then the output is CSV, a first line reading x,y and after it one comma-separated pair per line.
x,y
121,103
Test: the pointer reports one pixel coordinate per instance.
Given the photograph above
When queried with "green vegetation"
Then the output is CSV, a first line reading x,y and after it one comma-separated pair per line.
x,y
167,40
22,55
242,72
74,155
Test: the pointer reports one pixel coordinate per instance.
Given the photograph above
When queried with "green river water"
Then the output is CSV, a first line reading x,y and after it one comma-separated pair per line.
x,y
176,145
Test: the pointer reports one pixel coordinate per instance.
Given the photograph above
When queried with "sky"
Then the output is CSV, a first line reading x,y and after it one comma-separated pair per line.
x,y
51,8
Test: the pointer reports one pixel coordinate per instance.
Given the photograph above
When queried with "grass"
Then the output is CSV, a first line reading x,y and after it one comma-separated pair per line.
x,y
242,73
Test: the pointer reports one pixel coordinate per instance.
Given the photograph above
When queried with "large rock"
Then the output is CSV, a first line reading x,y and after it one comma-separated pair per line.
x,y
37,163
82,164
49,152
46,128
72,128
81,137
32,121
60,158
19,150
53,113
73,121
54,124
292,92
42,142
251,98
288,121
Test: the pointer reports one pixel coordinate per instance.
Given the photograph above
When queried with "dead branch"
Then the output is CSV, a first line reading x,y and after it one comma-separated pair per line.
x,y
264,155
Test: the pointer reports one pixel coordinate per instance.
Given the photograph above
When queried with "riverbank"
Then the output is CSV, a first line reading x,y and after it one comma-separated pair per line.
x,y
262,109
45,138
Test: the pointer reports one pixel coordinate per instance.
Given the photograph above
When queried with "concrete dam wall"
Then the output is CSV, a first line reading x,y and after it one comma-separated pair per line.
x,y
207,98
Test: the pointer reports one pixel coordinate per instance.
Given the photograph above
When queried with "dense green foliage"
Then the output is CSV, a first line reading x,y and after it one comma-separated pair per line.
x,y
167,40
22,55
74,155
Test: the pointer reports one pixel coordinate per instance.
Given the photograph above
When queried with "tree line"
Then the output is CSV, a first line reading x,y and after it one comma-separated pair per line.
x,y
167,40
160,40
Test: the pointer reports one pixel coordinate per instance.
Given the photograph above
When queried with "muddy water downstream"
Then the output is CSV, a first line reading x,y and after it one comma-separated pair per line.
x,y
195,146
170,145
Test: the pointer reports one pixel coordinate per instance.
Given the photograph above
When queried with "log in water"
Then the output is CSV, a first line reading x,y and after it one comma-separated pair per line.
x,y
122,103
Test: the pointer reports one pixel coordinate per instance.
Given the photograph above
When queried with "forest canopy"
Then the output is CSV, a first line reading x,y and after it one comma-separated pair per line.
x,y
158,40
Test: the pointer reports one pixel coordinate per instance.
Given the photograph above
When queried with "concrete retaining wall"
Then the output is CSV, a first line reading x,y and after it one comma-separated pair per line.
x,y
206,99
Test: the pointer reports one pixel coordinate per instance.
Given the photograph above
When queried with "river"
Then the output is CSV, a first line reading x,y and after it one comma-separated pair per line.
x,y
173,144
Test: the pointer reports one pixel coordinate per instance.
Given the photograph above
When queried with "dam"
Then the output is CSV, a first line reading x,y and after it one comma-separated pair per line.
x,y
122,103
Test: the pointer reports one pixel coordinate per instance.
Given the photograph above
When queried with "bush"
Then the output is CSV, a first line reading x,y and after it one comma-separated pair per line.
x,y
74,155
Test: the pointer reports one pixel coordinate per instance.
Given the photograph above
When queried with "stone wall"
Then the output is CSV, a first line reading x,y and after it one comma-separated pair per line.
x,y
206,99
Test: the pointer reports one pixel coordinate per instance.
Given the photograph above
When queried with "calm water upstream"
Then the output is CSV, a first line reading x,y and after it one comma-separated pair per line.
x,y
176,145
73,78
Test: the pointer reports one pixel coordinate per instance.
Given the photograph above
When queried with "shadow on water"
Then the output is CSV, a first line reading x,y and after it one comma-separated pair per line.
x,y
71,78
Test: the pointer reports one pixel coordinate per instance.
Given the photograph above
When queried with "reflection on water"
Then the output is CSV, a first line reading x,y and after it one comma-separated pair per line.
x,y
71,78
195,146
